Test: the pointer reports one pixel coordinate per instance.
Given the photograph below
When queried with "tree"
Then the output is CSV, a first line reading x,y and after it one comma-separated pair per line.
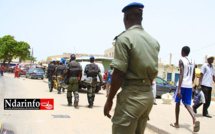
x,y
31,58
22,50
10,48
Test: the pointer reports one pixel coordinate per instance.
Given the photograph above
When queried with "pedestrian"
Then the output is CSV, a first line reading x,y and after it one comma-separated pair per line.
x,y
51,70
59,74
16,74
205,84
154,90
92,70
2,70
108,80
184,87
135,66
74,69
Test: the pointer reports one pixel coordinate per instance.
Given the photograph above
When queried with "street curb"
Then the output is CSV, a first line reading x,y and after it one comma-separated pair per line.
x,y
156,129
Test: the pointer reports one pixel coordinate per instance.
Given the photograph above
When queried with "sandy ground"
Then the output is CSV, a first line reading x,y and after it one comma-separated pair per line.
x,y
82,120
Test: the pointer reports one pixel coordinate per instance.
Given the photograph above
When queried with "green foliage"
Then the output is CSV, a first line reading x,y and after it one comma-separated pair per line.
x,y
10,48
31,58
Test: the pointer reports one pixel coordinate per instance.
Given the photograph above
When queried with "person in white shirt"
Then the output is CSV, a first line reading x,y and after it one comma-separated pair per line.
x,y
205,84
184,87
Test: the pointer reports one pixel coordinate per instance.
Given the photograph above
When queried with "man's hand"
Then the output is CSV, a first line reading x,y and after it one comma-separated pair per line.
x,y
100,84
179,95
107,108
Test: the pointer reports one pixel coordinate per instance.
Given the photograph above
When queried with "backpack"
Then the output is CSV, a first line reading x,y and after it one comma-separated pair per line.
x,y
74,69
92,70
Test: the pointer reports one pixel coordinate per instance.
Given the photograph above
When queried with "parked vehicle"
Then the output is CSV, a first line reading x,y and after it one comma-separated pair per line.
x,y
163,87
23,70
35,73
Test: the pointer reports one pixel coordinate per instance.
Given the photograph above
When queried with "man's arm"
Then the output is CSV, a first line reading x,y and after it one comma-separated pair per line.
x,y
116,81
181,66
106,78
194,73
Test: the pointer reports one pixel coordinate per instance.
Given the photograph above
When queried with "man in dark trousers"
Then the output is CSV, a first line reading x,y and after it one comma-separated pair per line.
x,y
74,69
50,72
205,84
92,70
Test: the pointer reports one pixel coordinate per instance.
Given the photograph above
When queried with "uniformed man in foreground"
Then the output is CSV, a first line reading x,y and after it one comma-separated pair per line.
x,y
92,70
59,74
135,66
74,70
50,72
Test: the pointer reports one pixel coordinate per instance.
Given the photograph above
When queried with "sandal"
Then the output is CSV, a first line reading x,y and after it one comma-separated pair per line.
x,y
174,125
196,126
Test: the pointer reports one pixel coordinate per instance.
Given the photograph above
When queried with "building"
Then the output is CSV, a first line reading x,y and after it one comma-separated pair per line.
x,y
110,51
67,56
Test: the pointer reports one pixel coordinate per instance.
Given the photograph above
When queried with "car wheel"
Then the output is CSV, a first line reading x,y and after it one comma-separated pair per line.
x,y
25,76
31,77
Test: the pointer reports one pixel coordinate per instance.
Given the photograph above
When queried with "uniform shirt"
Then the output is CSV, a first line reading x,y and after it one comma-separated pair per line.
x,y
189,65
136,54
208,74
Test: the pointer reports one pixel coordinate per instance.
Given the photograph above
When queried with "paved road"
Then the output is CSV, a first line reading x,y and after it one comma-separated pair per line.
x,y
82,120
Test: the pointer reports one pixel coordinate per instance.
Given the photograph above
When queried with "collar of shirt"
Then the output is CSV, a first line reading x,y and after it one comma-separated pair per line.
x,y
73,61
210,66
135,26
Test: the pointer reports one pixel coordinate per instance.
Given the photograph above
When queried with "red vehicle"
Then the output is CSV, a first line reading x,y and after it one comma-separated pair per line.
x,y
23,70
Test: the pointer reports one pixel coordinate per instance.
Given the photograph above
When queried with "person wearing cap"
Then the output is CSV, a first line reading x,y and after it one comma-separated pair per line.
x,y
51,70
135,66
205,84
59,74
92,70
74,69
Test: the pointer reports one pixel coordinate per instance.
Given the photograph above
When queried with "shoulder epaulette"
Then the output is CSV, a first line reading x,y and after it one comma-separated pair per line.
x,y
118,35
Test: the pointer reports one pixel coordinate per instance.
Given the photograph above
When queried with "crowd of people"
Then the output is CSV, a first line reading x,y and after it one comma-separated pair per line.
x,y
134,69
71,75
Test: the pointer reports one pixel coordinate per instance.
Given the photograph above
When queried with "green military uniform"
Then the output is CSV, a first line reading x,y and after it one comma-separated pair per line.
x,y
74,69
136,54
50,73
92,87
59,74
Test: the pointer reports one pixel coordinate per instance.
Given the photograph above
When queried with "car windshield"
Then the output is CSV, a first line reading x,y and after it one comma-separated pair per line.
x,y
38,70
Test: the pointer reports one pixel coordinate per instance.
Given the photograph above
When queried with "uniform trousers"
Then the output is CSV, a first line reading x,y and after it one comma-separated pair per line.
x,y
134,104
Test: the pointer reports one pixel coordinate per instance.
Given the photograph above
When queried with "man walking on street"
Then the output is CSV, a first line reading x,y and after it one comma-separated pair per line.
x,y
108,80
74,69
135,66
184,87
92,70
2,70
59,74
205,84
50,73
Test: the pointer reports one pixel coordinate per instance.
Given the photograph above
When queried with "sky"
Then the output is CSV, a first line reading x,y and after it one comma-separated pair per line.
x,y
52,27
